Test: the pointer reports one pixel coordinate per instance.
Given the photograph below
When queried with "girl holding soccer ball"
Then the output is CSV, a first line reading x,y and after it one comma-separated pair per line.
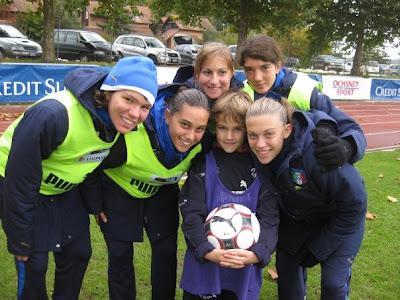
x,y
226,175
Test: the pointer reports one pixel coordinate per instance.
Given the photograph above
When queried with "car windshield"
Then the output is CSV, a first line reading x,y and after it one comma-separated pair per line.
x,y
10,31
93,37
154,43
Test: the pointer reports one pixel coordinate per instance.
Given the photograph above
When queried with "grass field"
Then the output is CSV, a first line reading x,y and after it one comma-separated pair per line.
x,y
375,272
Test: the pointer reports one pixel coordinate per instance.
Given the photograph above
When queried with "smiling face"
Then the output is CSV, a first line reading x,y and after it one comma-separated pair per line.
x,y
187,126
214,77
260,74
230,134
127,109
266,134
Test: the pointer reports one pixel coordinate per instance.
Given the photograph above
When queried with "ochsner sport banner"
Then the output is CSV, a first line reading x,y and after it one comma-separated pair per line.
x,y
346,87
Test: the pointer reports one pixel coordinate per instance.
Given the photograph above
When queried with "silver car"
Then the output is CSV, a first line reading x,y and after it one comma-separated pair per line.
x,y
188,52
130,45
15,44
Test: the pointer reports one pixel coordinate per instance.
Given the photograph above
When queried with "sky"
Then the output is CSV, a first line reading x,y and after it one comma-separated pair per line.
x,y
392,51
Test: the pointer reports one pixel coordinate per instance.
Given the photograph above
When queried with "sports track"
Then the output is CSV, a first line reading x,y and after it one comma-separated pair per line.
x,y
380,120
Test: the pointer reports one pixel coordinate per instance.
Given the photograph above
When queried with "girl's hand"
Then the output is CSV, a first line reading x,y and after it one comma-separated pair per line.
x,y
21,258
101,217
221,257
241,256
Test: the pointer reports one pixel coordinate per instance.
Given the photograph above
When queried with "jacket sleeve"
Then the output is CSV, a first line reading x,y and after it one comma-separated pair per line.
x,y
193,207
348,127
42,128
346,187
268,216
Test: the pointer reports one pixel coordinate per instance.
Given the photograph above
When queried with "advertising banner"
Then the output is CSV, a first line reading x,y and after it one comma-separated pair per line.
x,y
30,82
346,87
385,89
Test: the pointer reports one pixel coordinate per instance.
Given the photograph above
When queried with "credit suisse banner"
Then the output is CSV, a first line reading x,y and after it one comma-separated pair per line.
x,y
30,82
385,89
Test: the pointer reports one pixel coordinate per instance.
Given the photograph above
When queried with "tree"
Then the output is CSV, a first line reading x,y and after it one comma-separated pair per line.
x,y
48,31
244,15
119,14
360,24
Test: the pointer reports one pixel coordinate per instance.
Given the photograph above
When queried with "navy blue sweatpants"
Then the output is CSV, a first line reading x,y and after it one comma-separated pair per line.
x,y
121,275
70,263
335,271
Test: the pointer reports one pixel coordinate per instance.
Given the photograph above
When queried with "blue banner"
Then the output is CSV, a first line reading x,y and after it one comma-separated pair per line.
x,y
385,89
30,82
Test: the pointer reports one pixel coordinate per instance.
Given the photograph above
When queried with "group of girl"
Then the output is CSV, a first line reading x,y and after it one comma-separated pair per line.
x,y
309,200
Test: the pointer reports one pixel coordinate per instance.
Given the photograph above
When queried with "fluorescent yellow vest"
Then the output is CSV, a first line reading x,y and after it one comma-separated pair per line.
x,y
300,93
142,174
78,155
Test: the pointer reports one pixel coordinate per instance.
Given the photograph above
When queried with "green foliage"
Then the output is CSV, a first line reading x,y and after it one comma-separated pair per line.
x,y
119,14
5,2
374,273
242,15
31,23
74,7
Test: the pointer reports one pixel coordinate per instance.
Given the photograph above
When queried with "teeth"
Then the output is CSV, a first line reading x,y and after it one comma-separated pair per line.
x,y
127,121
185,143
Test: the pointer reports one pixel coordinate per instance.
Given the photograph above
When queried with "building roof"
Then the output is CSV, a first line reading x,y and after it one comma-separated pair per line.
x,y
144,16
22,6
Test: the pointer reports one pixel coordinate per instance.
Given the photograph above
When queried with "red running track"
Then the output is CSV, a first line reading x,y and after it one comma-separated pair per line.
x,y
380,121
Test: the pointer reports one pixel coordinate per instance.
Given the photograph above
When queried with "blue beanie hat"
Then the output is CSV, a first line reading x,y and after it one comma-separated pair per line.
x,y
135,73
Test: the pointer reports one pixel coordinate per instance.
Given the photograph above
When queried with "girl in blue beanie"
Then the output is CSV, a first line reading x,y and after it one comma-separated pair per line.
x,y
50,150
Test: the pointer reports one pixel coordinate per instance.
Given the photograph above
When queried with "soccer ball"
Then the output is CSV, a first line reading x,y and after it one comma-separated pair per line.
x,y
232,226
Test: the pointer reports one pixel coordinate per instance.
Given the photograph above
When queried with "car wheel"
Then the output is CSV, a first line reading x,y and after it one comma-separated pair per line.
x,y
154,59
83,57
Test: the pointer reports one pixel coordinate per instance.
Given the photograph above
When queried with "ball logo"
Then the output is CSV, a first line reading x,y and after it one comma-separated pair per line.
x,y
232,226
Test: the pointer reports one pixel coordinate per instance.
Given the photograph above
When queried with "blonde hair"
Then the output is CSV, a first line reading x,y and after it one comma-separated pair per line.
x,y
232,106
268,106
211,50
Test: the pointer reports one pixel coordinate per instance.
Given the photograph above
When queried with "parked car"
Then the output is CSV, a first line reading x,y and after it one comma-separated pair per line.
x,y
188,52
292,62
328,62
393,70
130,44
233,49
81,44
15,44
372,67
383,68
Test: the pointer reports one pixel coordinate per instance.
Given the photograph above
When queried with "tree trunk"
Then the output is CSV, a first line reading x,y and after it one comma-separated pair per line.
x,y
355,70
243,27
48,31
